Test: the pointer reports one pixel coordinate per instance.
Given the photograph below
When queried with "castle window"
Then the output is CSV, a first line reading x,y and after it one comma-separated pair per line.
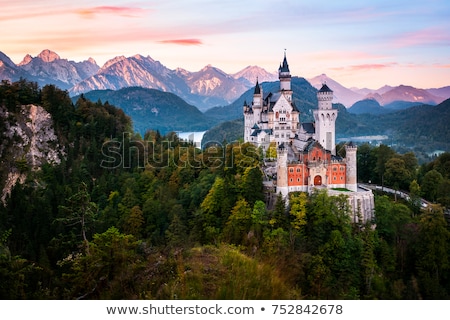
x,y
291,180
298,179
298,169
291,170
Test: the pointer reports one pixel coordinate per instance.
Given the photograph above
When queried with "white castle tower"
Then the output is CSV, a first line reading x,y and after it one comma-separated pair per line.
x,y
325,117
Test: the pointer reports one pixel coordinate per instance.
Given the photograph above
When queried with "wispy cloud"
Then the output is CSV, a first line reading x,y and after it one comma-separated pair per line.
x,y
366,67
183,42
131,12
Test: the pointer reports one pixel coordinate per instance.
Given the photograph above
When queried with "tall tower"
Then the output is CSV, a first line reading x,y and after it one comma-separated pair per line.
x,y
325,117
248,121
285,79
257,102
282,173
351,182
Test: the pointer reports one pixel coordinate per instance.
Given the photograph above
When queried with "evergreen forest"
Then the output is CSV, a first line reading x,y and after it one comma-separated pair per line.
x,y
126,216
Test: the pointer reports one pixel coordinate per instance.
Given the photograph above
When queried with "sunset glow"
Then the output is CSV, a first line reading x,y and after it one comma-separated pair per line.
x,y
357,43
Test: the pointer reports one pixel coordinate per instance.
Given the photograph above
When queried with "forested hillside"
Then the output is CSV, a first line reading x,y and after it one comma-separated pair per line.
x,y
155,109
128,217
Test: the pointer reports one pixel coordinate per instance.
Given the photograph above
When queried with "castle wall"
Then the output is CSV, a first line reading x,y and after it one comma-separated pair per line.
x,y
351,181
361,201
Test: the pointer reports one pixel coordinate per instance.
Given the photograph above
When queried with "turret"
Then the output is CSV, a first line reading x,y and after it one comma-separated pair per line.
x,y
325,98
325,117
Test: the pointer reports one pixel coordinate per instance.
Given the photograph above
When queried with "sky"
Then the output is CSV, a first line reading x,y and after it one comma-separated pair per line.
x,y
357,43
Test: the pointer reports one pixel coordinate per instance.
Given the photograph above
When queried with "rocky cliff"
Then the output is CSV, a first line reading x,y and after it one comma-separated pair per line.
x,y
28,141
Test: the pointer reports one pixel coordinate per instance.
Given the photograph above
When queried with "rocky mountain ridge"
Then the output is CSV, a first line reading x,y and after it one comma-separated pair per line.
x,y
206,88
384,95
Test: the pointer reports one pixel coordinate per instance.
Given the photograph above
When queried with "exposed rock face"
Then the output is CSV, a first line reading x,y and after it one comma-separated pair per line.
x,y
48,67
28,141
48,56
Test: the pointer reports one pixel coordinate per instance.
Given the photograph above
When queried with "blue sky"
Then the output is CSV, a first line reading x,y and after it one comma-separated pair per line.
x,y
357,43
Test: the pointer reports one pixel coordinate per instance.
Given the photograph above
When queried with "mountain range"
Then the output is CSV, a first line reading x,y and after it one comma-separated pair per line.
x,y
384,96
206,88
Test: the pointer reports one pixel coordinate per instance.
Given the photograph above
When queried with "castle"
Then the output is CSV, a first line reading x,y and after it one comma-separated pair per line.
x,y
306,152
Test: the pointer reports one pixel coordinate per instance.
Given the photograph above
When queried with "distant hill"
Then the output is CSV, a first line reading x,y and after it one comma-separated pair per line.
x,y
227,131
405,93
153,109
400,105
443,92
421,125
367,106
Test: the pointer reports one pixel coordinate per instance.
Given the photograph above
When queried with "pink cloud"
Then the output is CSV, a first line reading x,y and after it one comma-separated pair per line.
x,y
121,11
372,66
183,42
367,66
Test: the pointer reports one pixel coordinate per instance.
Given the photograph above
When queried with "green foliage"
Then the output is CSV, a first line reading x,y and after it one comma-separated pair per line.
x,y
158,221
226,273
430,184
107,271
224,132
150,108
433,264
252,185
79,211
239,222
272,151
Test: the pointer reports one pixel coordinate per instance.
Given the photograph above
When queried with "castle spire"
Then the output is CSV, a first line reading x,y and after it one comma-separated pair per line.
x,y
284,75
285,66
257,87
